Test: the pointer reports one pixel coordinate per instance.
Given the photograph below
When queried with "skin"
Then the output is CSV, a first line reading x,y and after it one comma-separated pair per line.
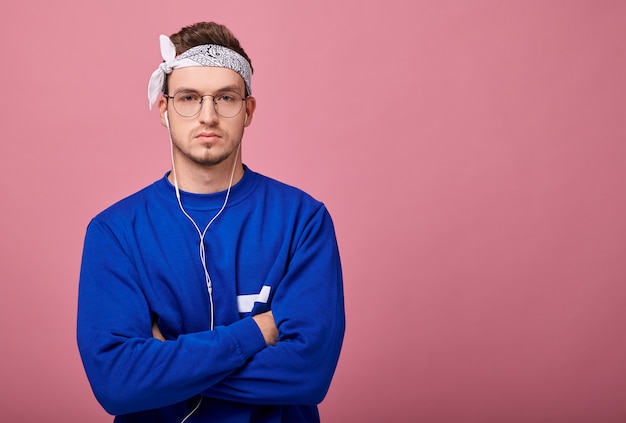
x,y
205,146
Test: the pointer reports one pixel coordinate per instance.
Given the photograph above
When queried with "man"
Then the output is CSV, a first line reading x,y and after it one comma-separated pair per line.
x,y
214,294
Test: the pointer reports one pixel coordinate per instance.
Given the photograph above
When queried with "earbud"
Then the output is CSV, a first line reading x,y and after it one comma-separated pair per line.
x,y
167,121
245,119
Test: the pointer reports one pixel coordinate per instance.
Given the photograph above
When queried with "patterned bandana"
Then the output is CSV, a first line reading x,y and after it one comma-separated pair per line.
x,y
204,55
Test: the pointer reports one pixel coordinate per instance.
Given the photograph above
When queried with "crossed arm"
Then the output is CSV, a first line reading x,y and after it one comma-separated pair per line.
x,y
265,322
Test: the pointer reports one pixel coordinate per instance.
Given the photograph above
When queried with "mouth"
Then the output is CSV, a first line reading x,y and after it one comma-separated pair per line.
x,y
207,136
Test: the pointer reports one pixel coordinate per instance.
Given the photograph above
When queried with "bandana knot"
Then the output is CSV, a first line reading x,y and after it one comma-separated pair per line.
x,y
166,68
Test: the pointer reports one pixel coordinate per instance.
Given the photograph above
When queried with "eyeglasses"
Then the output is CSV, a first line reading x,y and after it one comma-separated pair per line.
x,y
188,103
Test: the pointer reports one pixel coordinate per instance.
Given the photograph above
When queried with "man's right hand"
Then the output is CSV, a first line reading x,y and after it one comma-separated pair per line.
x,y
266,323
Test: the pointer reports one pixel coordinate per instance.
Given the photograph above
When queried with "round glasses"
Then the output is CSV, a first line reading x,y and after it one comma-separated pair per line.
x,y
188,103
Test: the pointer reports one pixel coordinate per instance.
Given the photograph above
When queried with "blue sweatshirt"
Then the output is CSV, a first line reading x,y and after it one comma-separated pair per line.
x,y
273,247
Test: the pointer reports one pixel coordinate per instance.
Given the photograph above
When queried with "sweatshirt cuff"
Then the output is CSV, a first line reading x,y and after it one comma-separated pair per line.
x,y
247,336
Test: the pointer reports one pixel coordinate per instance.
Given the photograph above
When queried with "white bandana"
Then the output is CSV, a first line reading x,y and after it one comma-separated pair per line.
x,y
204,55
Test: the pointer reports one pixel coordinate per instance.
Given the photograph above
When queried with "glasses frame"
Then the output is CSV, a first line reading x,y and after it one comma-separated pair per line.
x,y
243,100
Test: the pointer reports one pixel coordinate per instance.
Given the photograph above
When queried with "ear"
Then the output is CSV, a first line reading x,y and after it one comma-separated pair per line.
x,y
163,109
250,107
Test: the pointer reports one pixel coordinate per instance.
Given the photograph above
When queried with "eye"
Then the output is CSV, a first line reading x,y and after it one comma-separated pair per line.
x,y
225,98
187,97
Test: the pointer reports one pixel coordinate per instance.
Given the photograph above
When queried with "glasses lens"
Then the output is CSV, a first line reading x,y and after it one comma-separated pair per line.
x,y
227,104
187,103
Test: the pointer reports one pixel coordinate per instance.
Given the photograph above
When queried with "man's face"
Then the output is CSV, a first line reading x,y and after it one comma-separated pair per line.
x,y
205,139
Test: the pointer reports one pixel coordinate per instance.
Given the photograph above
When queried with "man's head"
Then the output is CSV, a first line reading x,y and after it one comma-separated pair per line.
x,y
205,79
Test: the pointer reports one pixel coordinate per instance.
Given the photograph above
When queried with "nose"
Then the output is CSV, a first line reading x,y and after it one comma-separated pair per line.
x,y
207,114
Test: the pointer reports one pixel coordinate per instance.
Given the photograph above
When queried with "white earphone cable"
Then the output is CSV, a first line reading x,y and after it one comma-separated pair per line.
x,y
192,411
201,234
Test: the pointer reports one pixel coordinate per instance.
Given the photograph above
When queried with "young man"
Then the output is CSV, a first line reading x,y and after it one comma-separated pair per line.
x,y
214,294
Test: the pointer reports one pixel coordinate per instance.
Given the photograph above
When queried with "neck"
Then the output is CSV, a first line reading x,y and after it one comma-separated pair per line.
x,y
207,179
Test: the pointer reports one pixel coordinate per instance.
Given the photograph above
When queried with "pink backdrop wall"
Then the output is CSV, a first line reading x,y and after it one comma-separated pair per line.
x,y
471,152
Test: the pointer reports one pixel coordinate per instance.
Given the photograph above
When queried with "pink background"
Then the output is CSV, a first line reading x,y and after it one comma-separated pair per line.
x,y
472,154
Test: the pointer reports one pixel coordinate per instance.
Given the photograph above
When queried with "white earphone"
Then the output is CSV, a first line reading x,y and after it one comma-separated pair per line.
x,y
201,234
207,276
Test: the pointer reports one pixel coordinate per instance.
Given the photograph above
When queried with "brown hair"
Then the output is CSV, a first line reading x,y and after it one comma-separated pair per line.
x,y
205,33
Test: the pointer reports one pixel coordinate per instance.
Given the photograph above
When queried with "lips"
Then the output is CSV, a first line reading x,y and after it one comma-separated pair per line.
x,y
206,134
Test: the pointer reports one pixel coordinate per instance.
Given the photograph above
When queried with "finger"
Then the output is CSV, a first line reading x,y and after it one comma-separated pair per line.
x,y
156,332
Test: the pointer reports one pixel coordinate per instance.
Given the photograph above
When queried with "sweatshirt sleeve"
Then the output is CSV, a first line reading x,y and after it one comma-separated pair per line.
x,y
308,306
128,369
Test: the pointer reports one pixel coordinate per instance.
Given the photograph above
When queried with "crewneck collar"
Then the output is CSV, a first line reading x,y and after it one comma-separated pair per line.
x,y
213,201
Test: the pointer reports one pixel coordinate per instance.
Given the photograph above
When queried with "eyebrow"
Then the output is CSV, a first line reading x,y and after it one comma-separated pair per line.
x,y
233,88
